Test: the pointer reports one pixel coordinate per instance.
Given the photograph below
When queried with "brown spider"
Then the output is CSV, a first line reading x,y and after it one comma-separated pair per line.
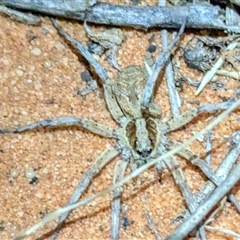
x,y
140,136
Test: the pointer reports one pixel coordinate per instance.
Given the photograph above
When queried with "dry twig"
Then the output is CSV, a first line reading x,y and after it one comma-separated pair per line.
x,y
201,16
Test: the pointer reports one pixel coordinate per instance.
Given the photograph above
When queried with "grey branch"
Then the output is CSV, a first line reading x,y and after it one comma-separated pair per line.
x,y
198,15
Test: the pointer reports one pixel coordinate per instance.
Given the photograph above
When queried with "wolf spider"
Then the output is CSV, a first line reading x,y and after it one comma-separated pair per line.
x,y
140,136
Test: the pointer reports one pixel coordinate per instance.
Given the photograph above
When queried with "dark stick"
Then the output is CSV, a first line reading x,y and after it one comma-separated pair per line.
x,y
199,15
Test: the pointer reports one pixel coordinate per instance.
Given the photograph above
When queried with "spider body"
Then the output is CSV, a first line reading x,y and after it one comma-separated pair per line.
x,y
140,128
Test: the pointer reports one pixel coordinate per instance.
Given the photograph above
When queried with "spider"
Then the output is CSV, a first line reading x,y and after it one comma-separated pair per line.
x,y
140,136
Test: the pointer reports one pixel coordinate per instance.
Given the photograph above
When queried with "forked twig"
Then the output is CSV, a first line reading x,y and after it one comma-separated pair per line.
x,y
189,224
215,229
201,231
221,173
138,171
223,230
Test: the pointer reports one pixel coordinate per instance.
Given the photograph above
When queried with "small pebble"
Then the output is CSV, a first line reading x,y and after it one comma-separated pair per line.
x,y
15,123
36,51
47,64
20,213
39,194
19,72
13,82
59,46
14,172
45,170
152,48
23,112
29,81
45,31
5,113
126,222
30,173
5,62
34,180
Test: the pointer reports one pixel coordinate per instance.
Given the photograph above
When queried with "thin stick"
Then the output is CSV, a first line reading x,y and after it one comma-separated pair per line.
x,y
212,218
223,230
149,219
52,7
208,139
158,66
173,94
20,16
231,74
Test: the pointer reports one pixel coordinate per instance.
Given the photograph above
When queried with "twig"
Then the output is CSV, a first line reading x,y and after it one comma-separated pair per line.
x,y
188,225
63,7
191,82
235,202
216,229
199,15
201,230
20,16
223,230
208,138
173,94
149,219
126,179
226,73
159,64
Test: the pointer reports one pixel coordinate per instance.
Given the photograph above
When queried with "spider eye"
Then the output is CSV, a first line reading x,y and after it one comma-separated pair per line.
x,y
143,150
144,153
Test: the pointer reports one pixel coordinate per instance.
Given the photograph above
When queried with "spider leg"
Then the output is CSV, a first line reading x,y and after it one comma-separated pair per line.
x,y
88,124
181,181
119,171
189,115
177,173
196,161
101,161
109,96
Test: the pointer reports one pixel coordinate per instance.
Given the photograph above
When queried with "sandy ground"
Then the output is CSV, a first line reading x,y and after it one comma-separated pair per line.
x,y
40,75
